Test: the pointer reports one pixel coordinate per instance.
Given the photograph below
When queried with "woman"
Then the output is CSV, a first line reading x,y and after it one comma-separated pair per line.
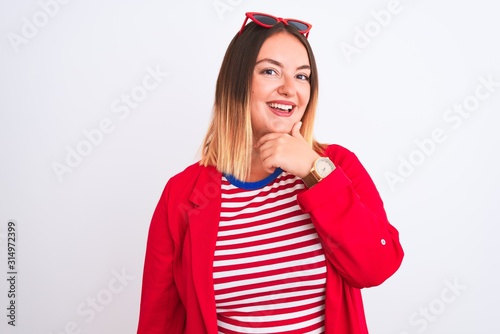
x,y
271,232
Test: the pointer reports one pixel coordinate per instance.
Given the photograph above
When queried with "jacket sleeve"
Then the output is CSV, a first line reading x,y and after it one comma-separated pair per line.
x,y
161,310
351,222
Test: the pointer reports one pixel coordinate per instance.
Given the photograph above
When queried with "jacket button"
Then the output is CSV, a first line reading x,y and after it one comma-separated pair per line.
x,y
382,242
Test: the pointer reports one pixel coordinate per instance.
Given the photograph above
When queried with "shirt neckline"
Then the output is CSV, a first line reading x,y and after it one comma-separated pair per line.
x,y
256,184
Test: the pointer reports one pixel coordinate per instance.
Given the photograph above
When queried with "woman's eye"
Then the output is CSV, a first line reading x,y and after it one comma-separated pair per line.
x,y
303,77
269,72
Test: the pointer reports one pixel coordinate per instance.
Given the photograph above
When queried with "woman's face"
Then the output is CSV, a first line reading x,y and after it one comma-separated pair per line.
x,y
280,85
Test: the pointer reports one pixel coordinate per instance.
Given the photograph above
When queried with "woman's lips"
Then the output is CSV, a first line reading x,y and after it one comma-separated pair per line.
x,y
282,109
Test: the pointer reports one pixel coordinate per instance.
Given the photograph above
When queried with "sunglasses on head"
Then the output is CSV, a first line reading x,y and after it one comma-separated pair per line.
x,y
268,21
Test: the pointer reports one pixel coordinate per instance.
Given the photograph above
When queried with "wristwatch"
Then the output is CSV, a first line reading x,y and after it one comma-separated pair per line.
x,y
321,168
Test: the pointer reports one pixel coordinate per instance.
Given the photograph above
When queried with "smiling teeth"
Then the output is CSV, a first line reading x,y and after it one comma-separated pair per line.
x,y
285,107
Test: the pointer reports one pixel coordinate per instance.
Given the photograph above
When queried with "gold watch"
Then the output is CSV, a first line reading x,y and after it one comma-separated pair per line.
x,y
322,167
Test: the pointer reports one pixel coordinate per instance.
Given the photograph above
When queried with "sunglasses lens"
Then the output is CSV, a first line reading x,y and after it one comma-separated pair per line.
x,y
267,20
299,25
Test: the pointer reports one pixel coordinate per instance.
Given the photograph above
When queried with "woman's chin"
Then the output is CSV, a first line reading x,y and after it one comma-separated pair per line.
x,y
274,129
281,128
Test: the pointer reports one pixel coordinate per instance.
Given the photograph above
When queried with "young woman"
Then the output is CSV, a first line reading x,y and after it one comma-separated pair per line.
x,y
271,232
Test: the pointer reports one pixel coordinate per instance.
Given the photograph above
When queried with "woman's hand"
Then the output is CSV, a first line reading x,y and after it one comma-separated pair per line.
x,y
290,152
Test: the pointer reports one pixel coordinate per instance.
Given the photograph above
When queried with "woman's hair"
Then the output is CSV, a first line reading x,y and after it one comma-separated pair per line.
x,y
228,143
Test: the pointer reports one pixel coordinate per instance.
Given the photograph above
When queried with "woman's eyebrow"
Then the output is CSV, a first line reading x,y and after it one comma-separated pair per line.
x,y
277,63
272,61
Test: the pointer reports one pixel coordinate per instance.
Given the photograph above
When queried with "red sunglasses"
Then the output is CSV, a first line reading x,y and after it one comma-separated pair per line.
x,y
268,21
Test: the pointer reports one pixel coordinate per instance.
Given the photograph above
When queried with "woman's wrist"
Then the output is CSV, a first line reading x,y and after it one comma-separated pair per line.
x,y
322,167
309,164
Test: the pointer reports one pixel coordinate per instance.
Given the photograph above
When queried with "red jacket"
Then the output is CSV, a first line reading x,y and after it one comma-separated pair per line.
x,y
361,247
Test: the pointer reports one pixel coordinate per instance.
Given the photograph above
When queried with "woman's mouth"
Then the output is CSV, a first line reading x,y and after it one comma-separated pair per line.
x,y
281,109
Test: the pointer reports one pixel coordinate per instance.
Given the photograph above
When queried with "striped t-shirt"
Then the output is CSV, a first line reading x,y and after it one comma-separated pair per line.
x,y
269,266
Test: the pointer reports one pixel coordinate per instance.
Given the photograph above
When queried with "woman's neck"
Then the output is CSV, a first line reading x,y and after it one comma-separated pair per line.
x,y
257,171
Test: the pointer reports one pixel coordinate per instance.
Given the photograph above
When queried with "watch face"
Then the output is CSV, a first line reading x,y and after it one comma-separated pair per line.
x,y
324,167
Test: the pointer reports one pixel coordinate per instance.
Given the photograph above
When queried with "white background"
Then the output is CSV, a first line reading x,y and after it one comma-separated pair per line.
x,y
80,231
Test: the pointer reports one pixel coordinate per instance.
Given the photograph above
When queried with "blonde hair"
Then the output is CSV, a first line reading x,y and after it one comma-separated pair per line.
x,y
228,142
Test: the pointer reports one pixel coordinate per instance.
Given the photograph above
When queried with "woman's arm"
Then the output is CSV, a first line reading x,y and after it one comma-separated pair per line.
x,y
161,310
349,216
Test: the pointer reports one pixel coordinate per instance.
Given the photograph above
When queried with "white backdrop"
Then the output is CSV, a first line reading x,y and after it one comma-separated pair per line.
x,y
102,101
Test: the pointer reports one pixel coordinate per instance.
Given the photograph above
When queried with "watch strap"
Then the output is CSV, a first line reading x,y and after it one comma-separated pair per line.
x,y
310,179
314,177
